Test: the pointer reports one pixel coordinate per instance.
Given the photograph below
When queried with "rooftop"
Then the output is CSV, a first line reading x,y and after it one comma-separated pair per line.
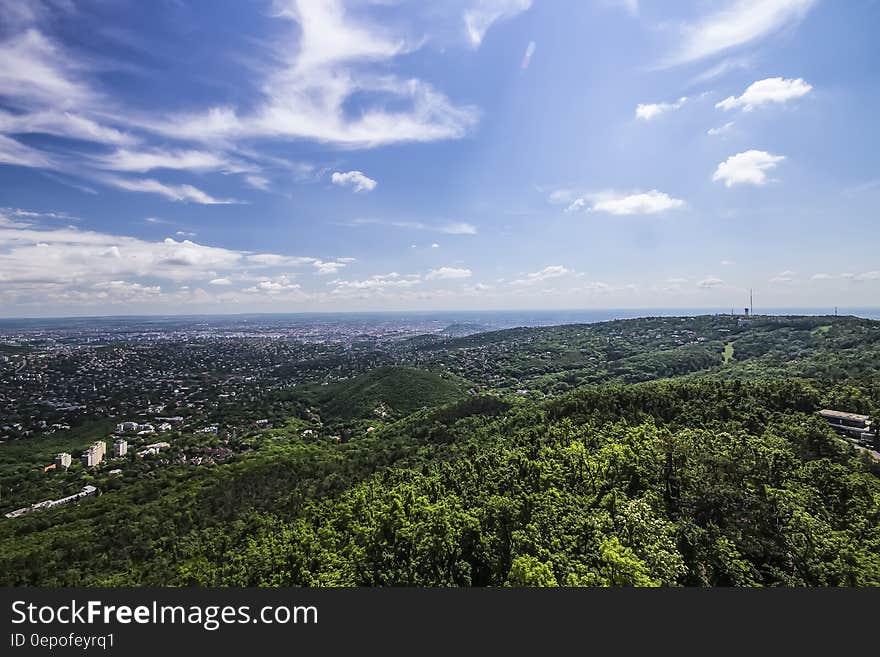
x,y
840,415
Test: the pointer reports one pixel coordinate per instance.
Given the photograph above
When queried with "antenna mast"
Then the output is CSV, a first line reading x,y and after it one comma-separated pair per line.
x,y
751,307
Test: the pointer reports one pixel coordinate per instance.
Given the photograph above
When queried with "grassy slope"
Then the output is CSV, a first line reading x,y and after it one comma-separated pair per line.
x,y
402,390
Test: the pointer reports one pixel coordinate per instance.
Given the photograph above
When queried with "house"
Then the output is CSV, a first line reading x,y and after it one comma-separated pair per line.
x,y
851,425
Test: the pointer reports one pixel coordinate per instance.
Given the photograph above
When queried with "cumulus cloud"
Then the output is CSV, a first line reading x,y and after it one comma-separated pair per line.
x,y
67,265
736,23
484,13
353,179
651,202
748,167
821,277
769,90
444,273
273,286
325,268
648,111
377,282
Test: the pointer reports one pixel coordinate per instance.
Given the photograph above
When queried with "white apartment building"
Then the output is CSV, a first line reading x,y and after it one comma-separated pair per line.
x,y
94,454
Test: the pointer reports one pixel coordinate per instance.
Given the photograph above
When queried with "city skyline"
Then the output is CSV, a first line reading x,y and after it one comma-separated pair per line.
x,y
304,156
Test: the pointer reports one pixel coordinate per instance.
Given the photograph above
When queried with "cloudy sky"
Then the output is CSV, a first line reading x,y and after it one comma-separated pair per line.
x,y
201,156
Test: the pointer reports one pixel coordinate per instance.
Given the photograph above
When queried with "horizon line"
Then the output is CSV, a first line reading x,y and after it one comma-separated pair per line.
x,y
715,310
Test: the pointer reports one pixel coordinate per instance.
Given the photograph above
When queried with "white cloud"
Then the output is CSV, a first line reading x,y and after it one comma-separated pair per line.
x,y
354,179
821,277
648,111
459,228
453,228
447,273
435,245
720,130
786,276
306,95
275,260
70,256
377,282
727,263
18,154
651,202
737,23
143,161
479,18
722,68
769,90
62,124
257,182
325,268
185,193
747,167
273,286
36,71
867,276
549,272
126,291
563,195
710,282
220,281
527,57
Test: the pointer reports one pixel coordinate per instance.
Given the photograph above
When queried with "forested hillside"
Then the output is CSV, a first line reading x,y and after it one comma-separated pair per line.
x,y
717,473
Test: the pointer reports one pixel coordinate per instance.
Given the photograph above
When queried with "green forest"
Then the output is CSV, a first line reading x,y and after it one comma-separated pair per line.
x,y
653,452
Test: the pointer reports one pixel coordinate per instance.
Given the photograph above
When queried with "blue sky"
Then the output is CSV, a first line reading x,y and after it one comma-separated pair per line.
x,y
183,156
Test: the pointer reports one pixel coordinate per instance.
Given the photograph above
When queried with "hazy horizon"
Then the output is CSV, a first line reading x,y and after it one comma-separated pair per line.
x,y
867,312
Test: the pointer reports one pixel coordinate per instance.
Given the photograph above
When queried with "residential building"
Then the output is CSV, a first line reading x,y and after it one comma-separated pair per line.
x,y
94,454
851,425
154,448
120,447
63,460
